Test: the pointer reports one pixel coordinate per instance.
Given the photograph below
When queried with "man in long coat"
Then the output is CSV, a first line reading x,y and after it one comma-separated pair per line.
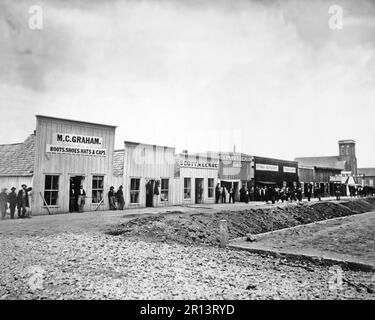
x,y
23,201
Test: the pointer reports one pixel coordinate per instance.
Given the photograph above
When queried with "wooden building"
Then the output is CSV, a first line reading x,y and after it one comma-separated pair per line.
x,y
148,175
268,171
197,176
236,170
68,154
17,163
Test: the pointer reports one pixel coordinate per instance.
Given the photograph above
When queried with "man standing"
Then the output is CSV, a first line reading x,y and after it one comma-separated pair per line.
x,y
317,192
231,195
23,201
112,198
309,192
12,199
223,195
120,198
3,203
81,198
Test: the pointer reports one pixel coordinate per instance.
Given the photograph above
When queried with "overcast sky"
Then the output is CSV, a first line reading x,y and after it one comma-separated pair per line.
x,y
268,76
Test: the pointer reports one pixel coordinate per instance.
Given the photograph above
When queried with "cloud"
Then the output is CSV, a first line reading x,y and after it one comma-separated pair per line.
x,y
208,74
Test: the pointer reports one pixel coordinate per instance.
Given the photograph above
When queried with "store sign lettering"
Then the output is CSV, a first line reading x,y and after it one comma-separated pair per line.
x,y
224,157
76,151
196,164
266,167
76,139
290,169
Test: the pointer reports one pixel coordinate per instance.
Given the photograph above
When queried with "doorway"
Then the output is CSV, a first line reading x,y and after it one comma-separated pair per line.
x,y
150,185
75,183
198,190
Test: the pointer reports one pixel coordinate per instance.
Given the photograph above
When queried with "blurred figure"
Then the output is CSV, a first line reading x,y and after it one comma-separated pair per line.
x,y
112,198
3,202
81,198
217,193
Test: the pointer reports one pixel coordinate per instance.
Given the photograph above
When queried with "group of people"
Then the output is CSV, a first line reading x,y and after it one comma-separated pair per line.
x,y
267,193
15,200
116,199
222,194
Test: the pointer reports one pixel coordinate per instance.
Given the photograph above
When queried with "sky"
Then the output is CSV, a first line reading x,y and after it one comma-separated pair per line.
x,y
270,77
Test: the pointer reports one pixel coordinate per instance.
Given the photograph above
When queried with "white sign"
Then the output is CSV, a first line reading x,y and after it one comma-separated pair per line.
x,y
266,167
76,150
196,164
74,140
289,169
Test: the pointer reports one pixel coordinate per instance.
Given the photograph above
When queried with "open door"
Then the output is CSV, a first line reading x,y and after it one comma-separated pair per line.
x,y
150,193
198,190
75,183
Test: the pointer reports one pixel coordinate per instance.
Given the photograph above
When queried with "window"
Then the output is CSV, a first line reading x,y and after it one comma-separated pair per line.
x,y
187,188
134,190
371,182
97,189
164,189
210,187
51,190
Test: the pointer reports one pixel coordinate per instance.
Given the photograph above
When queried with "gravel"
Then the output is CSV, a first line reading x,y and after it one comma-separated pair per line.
x,y
99,266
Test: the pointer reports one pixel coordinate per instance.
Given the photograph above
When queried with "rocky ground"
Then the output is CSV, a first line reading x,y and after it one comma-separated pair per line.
x,y
65,260
98,266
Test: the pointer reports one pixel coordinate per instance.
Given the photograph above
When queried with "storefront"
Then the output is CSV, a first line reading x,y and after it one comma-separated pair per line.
x,y
197,176
275,172
148,175
70,154
236,171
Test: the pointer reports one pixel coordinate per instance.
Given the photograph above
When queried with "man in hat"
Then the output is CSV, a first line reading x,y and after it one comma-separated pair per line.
x,y
12,199
120,198
3,202
23,201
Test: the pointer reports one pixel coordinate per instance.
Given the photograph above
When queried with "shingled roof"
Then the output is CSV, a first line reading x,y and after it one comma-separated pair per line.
x,y
322,162
368,172
118,162
18,159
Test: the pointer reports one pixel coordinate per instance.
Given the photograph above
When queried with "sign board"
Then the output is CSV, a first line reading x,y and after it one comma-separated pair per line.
x,y
290,169
72,139
196,164
335,179
76,144
237,157
76,151
266,167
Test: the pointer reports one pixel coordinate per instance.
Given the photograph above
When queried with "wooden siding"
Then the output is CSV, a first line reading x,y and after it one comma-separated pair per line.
x,y
66,165
195,173
148,162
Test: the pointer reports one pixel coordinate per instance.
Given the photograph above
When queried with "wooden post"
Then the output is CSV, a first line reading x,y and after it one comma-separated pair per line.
x,y
45,203
223,233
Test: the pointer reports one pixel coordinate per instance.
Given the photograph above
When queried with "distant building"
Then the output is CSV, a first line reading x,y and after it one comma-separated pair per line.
x,y
323,169
366,177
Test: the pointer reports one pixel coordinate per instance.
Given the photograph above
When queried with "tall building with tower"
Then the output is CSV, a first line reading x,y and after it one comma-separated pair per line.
x,y
347,154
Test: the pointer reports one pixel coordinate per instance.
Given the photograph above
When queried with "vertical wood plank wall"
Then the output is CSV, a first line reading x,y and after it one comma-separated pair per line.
x,y
147,162
70,165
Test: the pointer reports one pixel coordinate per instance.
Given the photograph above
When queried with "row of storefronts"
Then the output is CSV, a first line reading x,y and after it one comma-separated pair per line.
x,y
64,157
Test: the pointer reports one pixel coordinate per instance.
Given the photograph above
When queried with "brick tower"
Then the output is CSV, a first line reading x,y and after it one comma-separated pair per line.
x,y
347,153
